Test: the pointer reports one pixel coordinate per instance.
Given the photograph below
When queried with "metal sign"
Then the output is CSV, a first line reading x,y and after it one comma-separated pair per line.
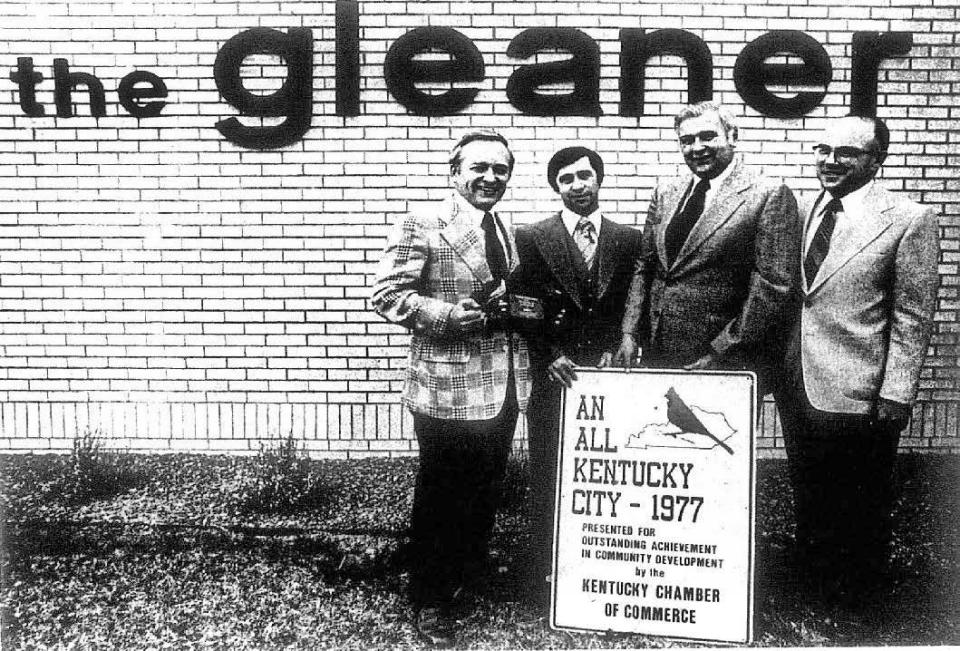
x,y
655,505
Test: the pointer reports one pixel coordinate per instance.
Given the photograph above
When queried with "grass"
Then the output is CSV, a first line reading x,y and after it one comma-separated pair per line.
x,y
169,562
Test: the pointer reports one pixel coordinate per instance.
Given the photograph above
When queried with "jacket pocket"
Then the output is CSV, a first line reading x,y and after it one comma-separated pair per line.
x,y
438,350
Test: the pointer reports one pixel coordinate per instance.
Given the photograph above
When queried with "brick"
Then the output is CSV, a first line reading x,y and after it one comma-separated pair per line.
x,y
132,239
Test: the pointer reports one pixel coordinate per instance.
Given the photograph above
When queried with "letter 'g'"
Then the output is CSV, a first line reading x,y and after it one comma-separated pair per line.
x,y
294,100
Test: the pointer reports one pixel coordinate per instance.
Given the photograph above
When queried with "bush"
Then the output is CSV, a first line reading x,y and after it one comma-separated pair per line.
x,y
280,480
92,473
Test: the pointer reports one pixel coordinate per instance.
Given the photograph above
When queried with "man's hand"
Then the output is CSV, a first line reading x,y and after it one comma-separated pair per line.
x,y
605,360
889,413
466,316
626,353
561,370
703,364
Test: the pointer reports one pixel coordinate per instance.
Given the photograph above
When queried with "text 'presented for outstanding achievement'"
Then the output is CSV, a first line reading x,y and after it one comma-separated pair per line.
x,y
655,505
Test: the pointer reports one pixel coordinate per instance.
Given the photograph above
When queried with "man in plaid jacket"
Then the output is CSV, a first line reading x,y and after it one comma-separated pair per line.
x,y
467,376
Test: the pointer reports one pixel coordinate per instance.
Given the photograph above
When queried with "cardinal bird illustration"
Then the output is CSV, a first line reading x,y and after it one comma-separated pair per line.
x,y
679,414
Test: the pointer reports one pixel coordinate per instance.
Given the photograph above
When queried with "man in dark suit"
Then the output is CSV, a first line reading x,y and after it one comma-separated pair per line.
x,y
853,363
579,264
718,265
467,377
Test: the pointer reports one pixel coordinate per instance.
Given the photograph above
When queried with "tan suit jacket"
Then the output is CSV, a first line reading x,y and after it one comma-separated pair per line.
x,y
435,258
866,321
731,289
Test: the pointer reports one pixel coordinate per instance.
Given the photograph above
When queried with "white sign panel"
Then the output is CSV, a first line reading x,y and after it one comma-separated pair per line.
x,y
655,505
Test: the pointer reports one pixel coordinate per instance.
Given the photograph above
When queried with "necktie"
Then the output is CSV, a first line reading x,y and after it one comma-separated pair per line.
x,y
680,226
820,244
585,235
496,259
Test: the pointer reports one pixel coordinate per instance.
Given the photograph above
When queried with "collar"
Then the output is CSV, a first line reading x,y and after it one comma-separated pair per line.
x,y
473,213
571,218
851,201
718,180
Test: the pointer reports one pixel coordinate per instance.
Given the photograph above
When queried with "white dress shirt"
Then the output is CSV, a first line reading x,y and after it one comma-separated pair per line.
x,y
851,213
715,184
476,216
571,219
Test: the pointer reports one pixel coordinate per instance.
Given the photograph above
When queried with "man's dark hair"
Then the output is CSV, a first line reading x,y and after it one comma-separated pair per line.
x,y
570,155
491,136
880,133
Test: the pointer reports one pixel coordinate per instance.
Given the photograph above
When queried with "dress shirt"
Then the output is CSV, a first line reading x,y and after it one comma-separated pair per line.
x,y
476,218
571,219
852,212
715,184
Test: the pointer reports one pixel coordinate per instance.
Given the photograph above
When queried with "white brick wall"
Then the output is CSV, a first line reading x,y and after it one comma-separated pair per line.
x,y
175,291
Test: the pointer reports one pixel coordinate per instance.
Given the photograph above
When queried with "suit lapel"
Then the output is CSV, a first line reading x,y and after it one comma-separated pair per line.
x,y
669,205
724,204
855,235
551,239
464,238
607,254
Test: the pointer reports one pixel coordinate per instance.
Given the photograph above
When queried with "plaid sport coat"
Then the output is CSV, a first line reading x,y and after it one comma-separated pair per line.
x,y
434,258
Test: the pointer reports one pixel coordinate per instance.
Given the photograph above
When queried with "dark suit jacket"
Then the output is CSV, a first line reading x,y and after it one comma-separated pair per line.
x,y
552,269
731,289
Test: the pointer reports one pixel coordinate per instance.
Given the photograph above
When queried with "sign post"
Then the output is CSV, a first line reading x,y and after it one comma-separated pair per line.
x,y
655,505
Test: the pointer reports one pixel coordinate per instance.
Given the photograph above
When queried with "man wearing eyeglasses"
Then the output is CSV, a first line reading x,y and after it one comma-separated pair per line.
x,y
715,284
869,276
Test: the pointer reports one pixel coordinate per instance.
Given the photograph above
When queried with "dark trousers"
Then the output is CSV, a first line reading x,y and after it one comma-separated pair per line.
x,y
462,464
543,428
841,469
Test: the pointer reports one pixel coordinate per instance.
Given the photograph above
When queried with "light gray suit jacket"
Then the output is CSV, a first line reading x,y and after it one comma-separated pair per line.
x,y
866,321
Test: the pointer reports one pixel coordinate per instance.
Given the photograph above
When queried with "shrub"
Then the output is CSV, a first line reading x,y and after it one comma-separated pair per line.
x,y
92,473
281,479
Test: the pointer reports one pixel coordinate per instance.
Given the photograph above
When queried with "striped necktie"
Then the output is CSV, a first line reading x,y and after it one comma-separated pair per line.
x,y
820,244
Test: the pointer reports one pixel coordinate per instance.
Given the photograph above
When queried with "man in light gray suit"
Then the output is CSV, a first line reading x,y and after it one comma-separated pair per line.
x,y
853,362
719,260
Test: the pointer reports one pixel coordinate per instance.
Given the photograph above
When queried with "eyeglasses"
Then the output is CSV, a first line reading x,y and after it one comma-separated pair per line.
x,y
842,154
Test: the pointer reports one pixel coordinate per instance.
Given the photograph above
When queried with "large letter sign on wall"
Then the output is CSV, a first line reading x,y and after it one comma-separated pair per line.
x,y
402,72
752,74
294,100
348,58
583,70
130,94
27,79
869,49
65,82
636,48
655,505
